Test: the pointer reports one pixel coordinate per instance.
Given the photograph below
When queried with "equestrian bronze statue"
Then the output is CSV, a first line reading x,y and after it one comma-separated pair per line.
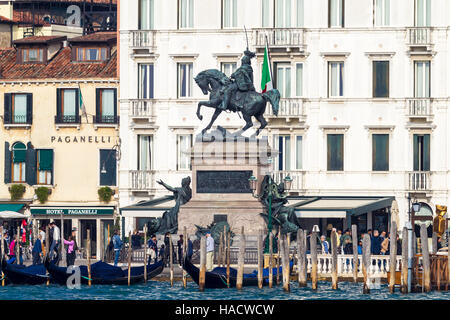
x,y
236,94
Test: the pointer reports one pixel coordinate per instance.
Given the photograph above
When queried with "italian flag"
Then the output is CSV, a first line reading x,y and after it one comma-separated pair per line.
x,y
266,77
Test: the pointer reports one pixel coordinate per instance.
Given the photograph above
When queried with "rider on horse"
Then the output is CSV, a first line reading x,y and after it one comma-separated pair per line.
x,y
243,79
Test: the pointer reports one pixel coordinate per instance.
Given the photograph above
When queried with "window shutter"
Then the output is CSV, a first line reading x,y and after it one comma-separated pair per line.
x,y
7,177
7,110
30,165
108,158
58,102
416,152
46,159
77,103
115,104
98,114
29,108
426,152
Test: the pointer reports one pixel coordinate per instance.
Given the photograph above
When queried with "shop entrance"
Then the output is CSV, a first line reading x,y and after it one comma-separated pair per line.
x,y
108,230
89,225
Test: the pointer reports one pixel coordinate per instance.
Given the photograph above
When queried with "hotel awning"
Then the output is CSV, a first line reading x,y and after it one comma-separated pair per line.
x,y
336,206
149,209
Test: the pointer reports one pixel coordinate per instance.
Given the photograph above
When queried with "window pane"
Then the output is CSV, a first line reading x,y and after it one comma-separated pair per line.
x,y
266,13
146,14
184,145
380,152
299,80
234,13
191,13
145,152
381,79
287,13
334,80
422,79
333,13
20,108
108,105
387,12
288,83
300,13
80,54
32,55
69,103
279,23
226,13
298,147
145,87
335,152
284,157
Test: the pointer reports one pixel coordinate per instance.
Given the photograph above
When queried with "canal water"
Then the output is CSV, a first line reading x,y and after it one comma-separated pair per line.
x,y
159,290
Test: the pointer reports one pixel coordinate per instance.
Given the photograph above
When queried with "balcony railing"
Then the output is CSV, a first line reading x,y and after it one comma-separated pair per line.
x,y
142,180
419,36
142,38
419,180
289,108
17,119
419,107
279,37
297,176
72,119
102,119
141,108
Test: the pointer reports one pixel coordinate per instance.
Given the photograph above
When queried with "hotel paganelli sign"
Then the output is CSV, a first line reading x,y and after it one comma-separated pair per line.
x,y
82,139
75,211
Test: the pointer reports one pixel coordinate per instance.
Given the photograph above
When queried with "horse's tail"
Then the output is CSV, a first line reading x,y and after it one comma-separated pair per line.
x,y
273,96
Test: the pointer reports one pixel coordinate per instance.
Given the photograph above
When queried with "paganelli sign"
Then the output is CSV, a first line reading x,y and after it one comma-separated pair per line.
x,y
75,211
81,139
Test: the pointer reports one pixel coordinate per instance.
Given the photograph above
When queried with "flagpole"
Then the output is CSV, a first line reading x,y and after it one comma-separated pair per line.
x,y
83,107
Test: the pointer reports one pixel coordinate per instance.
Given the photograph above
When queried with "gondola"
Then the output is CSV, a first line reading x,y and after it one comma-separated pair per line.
x,y
104,273
19,274
217,278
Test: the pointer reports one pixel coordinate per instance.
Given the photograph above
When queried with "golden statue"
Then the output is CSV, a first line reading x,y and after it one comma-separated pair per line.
x,y
439,220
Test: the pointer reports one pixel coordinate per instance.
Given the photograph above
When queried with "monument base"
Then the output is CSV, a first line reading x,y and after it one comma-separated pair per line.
x,y
221,167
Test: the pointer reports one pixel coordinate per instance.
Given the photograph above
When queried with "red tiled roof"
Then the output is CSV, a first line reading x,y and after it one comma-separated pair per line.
x,y
96,37
40,39
60,67
6,20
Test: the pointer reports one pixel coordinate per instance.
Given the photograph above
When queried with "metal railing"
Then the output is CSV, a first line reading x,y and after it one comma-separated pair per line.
x,y
142,38
141,108
289,107
297,178
60,119
419,106
106,119
419,35
142,180
419,180
17,119
279,37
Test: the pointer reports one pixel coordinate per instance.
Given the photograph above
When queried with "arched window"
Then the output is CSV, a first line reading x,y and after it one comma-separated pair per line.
x,y
19,152
423,216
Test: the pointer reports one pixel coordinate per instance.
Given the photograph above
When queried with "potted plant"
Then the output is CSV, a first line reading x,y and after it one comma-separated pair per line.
x,y
42,194
105,194
16,191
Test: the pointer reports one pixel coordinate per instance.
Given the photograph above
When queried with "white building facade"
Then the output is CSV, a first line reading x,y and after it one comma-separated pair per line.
x,y
364,94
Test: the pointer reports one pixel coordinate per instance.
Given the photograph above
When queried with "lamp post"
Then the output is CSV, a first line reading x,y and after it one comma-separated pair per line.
x,y
272,188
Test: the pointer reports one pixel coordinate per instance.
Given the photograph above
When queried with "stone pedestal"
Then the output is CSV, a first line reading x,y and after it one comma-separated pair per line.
x,y
221,167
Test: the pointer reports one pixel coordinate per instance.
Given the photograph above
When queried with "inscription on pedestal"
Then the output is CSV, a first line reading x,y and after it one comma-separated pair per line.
x,y
223,181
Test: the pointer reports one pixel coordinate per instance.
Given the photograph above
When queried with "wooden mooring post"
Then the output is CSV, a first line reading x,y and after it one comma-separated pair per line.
x,y
3,254
171,259
434,243
145,253
393,257
201,279
47,244
355,252
404,286
228,257
278,256
270,260
334,275
301,257
260,259
219,255
313,245
185,246
366,263
224,252
240,271
285,262
129,258
425,258
88,253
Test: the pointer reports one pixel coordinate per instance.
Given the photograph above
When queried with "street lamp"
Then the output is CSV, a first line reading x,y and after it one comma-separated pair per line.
x,y
272,187
116,148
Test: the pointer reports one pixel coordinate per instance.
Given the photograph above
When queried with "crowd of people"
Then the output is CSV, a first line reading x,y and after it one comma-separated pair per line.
x,y
379,242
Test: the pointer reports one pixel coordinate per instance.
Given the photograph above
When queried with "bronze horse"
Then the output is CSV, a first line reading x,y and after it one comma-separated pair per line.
x,y
250,103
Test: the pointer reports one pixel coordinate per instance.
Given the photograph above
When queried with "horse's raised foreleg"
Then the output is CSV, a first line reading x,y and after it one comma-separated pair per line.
x,y
213,103
214,117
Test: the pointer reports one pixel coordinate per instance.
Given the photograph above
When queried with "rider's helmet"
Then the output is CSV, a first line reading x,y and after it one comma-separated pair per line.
x,y
248,55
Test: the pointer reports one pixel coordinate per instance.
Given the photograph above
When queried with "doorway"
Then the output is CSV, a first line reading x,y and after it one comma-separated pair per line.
x,y
92,226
